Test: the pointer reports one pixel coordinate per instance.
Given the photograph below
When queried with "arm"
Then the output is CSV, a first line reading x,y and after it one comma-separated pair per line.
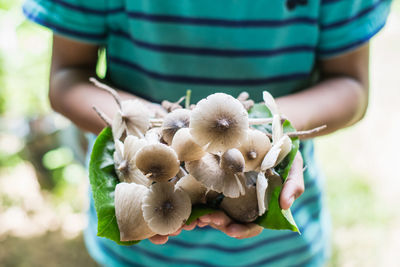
x,y
338,101
71,93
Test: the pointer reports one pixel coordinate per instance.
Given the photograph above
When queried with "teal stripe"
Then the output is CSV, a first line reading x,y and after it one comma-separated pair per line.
x,y
157,90
60,16
231,38
211,66
343,10
223,9
361,29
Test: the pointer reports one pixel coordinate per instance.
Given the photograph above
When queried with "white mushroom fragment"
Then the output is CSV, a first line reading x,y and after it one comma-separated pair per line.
x,y
195,189
254,149
174,121
243,209
261,186
166,208
185,147
128,211
124,160
133,118
153,136
218,123
158,162
277,153
208,171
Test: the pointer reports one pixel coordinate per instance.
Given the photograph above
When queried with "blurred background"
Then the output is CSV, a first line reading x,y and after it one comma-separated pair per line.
x,y
43,184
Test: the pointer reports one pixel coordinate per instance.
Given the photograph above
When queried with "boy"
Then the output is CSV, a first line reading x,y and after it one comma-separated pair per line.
x,y
312,55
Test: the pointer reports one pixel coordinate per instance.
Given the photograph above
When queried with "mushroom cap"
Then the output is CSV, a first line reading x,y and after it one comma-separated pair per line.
x,y
219,122
254,149
133,118
128,211
243,209
185,147
177,119
124,160
166,208
195,189
153,135
232,161
158,162
208,172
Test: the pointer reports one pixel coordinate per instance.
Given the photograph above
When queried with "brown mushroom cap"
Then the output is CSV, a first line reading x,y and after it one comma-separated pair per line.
x,y
165,208
243,209
254,149
128,211
232,161
185,147
208,172
174,121
195,189
124,160
158,162
218,123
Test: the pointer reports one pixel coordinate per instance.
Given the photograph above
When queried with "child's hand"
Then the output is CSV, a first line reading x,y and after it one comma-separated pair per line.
x,y
162,239
292,189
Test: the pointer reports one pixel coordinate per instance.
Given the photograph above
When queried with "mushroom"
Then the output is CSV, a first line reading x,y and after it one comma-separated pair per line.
x,y
195,189
185,147
153,135
124,160
128,211
132,118
265,187
166,208
243,209
208,172
232,161
158,162
174,121
218,123
254,149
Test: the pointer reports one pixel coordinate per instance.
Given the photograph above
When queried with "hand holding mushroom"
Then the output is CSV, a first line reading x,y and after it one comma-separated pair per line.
x,y
206,156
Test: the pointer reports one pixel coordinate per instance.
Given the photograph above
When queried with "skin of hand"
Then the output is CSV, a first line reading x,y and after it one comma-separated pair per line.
x,y
339,100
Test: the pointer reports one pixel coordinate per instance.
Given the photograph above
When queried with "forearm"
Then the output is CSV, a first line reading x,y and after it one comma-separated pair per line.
x,y
72,95
336,102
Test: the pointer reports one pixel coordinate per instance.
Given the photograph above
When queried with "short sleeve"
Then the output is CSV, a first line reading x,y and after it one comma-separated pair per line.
x,y
84,20
347,24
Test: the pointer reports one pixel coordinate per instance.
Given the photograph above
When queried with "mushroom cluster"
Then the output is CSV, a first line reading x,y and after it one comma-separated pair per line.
x,y
208,150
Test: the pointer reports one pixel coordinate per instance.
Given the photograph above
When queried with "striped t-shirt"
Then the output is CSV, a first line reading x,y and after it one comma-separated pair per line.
x,y
158,49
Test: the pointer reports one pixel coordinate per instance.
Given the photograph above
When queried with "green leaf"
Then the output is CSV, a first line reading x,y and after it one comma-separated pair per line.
x,y
275,217
103,181
198,211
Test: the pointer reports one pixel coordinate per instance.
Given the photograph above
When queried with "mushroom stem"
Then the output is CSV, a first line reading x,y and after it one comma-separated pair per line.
x,y
107,88
302,133
188,96
102,116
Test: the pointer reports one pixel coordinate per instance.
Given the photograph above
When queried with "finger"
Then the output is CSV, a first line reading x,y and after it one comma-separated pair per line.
x,y
218,219
294,184
241,231
176,233
158,239
190,226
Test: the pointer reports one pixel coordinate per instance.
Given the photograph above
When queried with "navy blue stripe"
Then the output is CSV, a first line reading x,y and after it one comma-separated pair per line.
x,y
89,10
324,2
221,22
351,45
209,80
80,34
348,20
213,51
